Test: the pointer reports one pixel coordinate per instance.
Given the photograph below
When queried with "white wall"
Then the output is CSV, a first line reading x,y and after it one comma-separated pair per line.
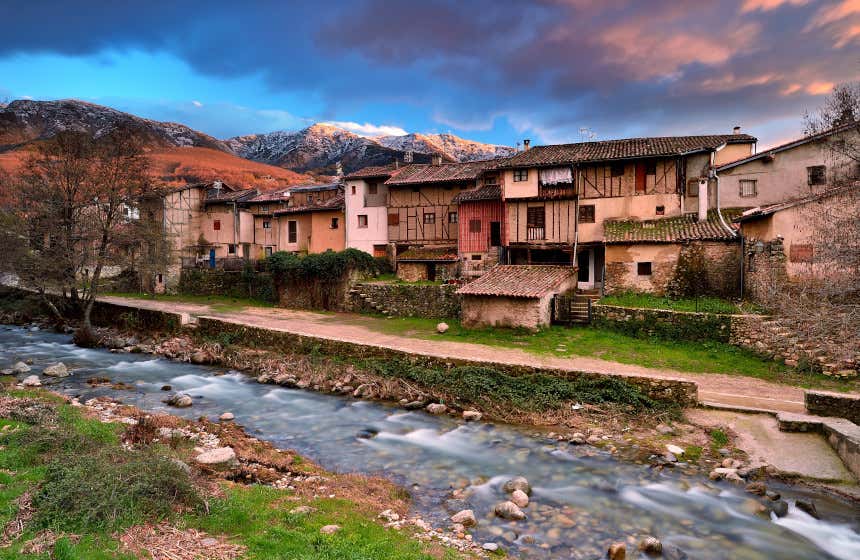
x,y
376,232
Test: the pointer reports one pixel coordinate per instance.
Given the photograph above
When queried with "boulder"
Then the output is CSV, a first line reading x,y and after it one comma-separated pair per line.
x,y
442,328
675,450
490,546
413,405
329,529
437,408
472,415
56,370
220,457
302,510
665,430
807,506
757,488
466,518
617,551
780,508
31,381
180,401
518,483
200,357
651,546
389,515
509,510
520,498
166,388
20,367
226,417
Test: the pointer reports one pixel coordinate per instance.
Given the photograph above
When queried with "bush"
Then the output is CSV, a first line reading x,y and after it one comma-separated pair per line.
x,y
318,280
109,488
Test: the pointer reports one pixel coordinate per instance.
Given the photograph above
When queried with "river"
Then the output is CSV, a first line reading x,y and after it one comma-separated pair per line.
x,y
583,498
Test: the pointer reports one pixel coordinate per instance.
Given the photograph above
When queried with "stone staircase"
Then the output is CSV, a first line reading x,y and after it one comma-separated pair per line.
x,y
368,302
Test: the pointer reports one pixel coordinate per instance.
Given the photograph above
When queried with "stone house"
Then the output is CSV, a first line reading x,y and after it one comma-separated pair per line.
x,y
792,170
313,220
518,296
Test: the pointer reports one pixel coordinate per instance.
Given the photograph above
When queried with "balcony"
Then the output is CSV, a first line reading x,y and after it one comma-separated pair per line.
x,y
535,233
558,191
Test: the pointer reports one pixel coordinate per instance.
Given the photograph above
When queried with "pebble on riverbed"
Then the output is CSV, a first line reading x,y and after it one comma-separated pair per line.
x,y
509,510
518,483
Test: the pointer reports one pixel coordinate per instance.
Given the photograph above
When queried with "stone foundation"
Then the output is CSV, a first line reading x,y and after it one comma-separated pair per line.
x,y
825,403
405,300
230,283
672,325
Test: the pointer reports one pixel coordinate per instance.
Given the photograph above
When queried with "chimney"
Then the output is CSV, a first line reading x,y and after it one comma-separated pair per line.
x,y
526,144
703,199
436,159
736,130
338,171
407,156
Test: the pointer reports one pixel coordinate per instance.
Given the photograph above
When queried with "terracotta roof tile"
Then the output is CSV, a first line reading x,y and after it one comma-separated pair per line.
x,y
279,195
487,192
333,203
525,281
373,171
216,196
604,150
440,254
670,230
416,174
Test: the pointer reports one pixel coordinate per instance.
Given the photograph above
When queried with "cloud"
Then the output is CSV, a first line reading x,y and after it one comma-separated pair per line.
x,y
368,129
196,103
768,5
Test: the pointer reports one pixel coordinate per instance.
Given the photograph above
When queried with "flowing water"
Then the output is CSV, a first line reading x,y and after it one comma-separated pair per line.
x,y
583,499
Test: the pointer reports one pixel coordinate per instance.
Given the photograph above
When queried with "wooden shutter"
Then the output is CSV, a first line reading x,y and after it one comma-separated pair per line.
x,y
640,177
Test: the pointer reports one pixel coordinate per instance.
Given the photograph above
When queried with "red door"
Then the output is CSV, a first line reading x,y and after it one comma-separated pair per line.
x,y
640,178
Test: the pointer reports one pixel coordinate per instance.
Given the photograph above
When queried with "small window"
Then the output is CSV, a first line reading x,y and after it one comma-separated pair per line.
x,y
310,199
372,188
748,188
692,187
617,169
816,175
660,210
452,217
268,251
536,217
159,278
353,189
216,225
521,175
651,168
474,226
334,223
586,214
394,219
267,224
476,257
231,249
643,268
429,218
292,231
362,220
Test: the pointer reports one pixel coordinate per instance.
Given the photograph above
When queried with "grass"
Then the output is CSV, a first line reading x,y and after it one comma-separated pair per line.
x,y
391,278
219,304
702,304
719,439
83,481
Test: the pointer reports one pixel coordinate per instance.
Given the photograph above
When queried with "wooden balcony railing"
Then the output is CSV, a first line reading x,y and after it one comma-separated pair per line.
x,y
557,191
535,233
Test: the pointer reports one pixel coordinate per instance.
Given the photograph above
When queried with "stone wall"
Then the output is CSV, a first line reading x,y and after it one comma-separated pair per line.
x,y
765,271
432,301
230,283
419,271
825,403
660,323
507,312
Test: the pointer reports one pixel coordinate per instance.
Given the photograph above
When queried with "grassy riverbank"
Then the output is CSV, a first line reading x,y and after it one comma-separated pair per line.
x,y
75,487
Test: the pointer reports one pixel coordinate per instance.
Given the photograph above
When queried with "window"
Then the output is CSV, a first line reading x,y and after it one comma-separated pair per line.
x,y
660,210
643,268
264,209
268,251
586,214
617,169
394,219
292,231
160,278
267,224
651,168
362,220
748,188
474,226
452,217
310,199
476,257
692,187
429,218
379,251
535,217
353,189
231,249
816,175
372,188
334,223
521,175
216,225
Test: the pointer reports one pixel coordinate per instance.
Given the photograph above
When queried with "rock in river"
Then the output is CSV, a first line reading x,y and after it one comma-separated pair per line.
x,y
520,498
509,510
807,506
179,401
31,381
466,518
436,408
518,483
617,551
471,415
226,417
651,546
56,370
20,367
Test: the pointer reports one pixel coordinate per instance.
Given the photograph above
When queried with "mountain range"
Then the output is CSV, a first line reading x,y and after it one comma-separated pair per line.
x,y
183,154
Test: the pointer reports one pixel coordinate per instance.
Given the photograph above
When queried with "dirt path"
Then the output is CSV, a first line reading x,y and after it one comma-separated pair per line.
x,y
722,389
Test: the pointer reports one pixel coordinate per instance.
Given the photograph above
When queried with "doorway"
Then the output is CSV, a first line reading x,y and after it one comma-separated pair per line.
x,y
431,272
495,234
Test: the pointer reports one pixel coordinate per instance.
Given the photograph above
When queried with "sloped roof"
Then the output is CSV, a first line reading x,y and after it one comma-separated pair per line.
x,y
627,148
421,173
791,144
764,211
279,195
487,192
522,281
671,230
314,188
333,203
216,196
422,254
373,171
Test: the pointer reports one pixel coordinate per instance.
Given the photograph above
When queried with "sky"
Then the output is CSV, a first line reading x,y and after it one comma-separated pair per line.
x,y
490,70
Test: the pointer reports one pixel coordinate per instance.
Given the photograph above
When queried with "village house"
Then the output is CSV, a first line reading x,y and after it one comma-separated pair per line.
x,y
792,170
266,231
313,220
365,200
227,231
481,217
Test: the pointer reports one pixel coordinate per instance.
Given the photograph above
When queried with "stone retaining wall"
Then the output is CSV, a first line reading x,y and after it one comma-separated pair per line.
x,y
825,403
432,301
661,323
130,317
678,391
230,283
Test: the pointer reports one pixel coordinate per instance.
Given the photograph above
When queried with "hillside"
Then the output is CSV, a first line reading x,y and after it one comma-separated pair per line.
x,y
456,148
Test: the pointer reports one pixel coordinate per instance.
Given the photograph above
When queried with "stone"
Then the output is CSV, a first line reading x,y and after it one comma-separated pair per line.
x,y
31,381
20,367
490,546
226,417
466,518
472,415
730,463
180,401
218,457
757,488
200,357
166,387
329,529
807,506
675,450
302,510
651,546
520,498
389,515
56,370
617,551
437,408
780,508
593,439
772,496
362,390
665,430
442,328
509,510
518,483
413,405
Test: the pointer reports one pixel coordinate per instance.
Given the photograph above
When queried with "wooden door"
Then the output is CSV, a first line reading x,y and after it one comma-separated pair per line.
x,y
640,177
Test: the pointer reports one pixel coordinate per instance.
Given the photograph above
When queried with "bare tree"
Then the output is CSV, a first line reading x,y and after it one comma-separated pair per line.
x,y
73,195
841,109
